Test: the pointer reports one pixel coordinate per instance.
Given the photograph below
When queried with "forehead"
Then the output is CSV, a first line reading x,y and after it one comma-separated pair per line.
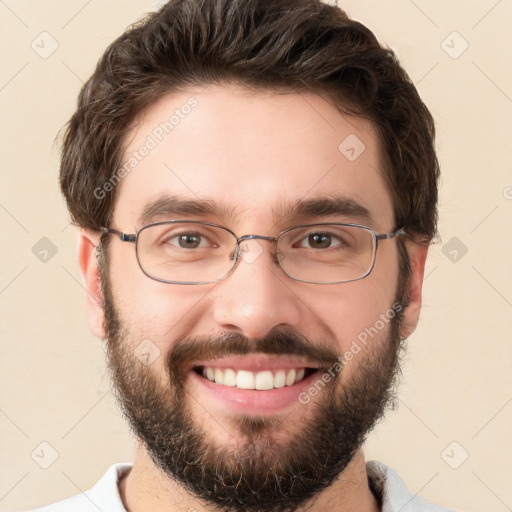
x,y
251,157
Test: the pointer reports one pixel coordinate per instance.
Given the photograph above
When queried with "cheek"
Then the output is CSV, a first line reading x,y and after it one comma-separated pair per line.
x,y
349,310
149,309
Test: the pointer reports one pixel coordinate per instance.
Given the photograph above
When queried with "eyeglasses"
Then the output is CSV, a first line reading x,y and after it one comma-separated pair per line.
x,y
195,252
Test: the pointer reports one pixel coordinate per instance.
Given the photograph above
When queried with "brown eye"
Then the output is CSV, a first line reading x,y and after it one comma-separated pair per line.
x,y
319,240
189,240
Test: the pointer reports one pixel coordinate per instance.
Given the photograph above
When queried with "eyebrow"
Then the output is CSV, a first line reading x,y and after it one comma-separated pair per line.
x,y
168,206
326,206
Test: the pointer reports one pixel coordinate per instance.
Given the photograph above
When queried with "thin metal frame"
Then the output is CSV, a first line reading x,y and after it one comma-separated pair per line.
x,y
133,238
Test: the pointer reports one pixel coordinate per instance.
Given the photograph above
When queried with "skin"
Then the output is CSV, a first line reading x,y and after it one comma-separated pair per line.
x,y
249,152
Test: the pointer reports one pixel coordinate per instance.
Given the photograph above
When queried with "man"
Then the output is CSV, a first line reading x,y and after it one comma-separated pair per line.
x,y
255,185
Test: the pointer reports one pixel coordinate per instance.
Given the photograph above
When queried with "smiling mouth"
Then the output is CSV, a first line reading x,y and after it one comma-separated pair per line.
x,y
262,380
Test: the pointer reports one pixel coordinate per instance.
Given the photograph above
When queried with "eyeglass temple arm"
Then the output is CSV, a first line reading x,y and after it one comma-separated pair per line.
x,y
123,236
392,234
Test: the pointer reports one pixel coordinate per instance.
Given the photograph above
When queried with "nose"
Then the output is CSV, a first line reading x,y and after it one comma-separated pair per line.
x,y
257,296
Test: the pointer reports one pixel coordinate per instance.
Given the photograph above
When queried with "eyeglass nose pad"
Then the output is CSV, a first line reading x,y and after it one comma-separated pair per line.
x,y
249,252
235,255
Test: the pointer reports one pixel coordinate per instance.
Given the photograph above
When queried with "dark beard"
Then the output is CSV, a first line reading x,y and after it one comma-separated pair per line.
x,y
264,473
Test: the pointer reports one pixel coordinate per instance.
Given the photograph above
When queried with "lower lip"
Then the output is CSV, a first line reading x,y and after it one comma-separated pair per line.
x,y
252,401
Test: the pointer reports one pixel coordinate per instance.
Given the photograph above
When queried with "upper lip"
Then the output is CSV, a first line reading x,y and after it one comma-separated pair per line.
x,y
255,362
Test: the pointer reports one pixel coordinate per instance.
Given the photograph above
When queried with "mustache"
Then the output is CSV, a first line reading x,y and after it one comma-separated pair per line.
x,y
279,341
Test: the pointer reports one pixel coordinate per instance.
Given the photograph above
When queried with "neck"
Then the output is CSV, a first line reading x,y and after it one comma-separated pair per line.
x,y
146,488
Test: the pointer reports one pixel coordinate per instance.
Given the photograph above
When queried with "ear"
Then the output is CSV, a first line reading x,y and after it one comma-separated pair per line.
x,y
89,269
417,257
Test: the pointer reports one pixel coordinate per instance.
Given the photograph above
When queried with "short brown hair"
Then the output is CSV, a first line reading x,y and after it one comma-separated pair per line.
x,y
290,45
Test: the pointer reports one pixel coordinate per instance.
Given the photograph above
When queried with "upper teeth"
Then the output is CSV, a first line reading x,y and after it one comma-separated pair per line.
x,y
263,380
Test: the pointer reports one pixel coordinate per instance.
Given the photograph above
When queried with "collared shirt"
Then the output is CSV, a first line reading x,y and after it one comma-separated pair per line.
x,y
388,487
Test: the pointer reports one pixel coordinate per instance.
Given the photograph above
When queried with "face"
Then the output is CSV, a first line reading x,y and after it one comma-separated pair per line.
x,y
257,160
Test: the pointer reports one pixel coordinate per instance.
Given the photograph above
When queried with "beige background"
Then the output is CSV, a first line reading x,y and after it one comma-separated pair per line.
x,y
457,383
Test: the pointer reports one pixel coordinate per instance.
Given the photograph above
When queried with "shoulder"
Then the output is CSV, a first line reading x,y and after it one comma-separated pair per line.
x,y
394,493
103,496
